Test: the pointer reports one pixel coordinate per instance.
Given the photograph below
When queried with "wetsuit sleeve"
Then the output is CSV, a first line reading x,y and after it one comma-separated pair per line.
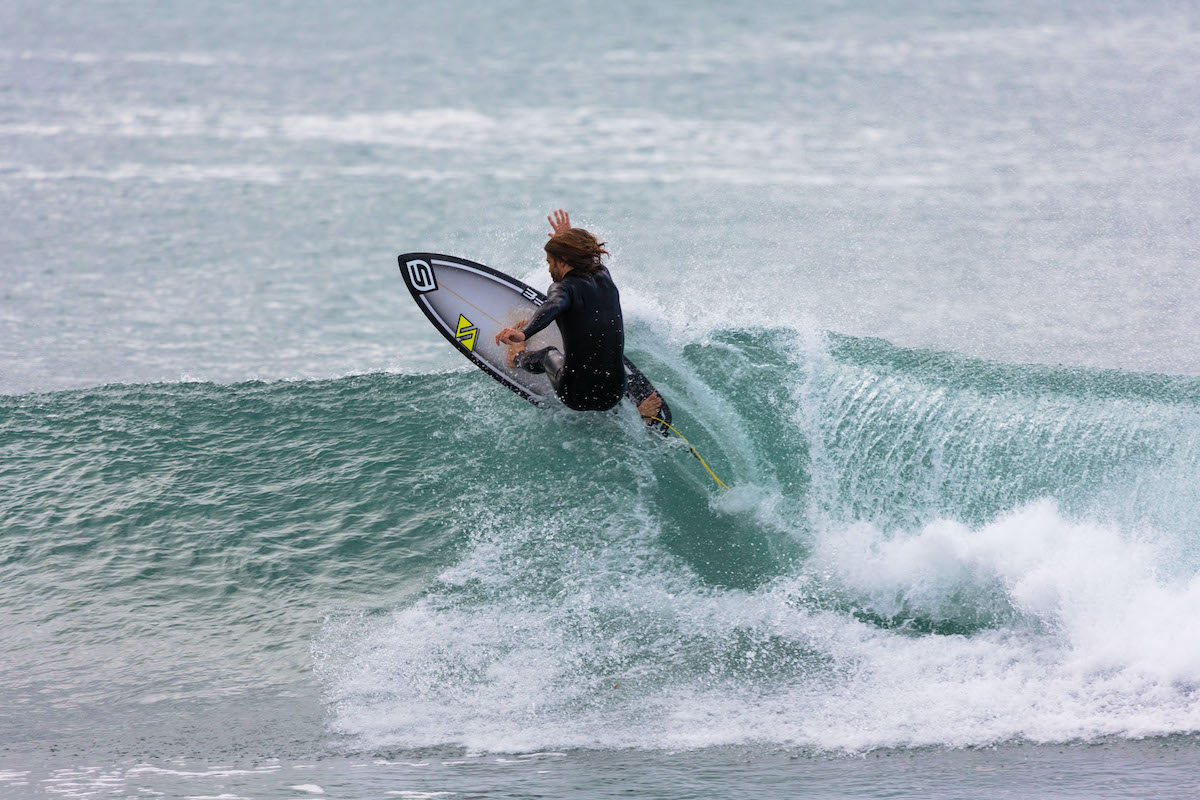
x,y
557,301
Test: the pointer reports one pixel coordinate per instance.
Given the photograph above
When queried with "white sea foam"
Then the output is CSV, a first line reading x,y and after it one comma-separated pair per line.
x,y
148,769
182,58
153,173
14,777
639,146
1090,637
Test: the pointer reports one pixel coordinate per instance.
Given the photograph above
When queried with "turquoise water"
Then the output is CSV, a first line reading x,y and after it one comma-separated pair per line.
x,y
916,280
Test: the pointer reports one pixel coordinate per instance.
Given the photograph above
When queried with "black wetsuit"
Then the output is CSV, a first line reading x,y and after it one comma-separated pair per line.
x,y
590,375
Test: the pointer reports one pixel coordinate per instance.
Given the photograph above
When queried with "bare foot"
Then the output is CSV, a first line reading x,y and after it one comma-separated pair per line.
x,y
649,407
513,350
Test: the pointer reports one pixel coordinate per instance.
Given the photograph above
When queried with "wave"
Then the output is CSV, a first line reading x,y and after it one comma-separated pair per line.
x,y
919,549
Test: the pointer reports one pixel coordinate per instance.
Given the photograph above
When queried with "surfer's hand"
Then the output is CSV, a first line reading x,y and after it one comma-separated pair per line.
x,y
561,221
510,336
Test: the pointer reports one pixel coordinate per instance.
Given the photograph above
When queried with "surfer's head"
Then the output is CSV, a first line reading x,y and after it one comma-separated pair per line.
x,y
574,249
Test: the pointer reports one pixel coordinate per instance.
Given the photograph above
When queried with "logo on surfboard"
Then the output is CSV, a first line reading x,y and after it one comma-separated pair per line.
x,y
421,276
466,333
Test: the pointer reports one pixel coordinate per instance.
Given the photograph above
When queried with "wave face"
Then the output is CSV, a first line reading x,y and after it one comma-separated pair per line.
x,y
919,549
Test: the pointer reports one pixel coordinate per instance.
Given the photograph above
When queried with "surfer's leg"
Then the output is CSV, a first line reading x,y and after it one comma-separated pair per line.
x,y
530,360
514,351
554,362
548,360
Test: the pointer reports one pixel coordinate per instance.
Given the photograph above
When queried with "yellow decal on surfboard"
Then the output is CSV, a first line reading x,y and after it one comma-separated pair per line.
x,y
466,333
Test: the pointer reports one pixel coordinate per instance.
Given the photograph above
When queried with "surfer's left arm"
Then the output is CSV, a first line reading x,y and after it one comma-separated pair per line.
x,y
558,300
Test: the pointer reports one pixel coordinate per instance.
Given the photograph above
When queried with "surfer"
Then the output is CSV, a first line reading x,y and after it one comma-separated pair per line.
x,y
584,301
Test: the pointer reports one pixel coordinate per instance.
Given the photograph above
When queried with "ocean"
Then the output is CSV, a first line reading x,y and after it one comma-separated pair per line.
x,y
918,280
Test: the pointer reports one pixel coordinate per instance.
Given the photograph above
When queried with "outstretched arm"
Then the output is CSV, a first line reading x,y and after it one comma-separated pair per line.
x,y
559,222
557,301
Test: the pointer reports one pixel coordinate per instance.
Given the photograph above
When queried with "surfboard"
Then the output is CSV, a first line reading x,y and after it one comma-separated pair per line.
x,y
470,303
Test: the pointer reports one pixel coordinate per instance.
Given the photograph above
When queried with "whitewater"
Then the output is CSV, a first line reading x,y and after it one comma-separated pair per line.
x,y
917,281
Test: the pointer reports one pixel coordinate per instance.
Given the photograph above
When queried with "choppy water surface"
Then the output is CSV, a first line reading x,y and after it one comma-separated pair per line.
x,y
916,281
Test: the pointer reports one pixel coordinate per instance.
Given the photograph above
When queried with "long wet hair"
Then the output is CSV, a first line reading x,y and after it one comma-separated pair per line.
x,y
577,249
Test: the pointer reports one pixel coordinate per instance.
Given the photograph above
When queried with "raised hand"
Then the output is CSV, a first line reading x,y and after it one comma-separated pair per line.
x,y
559,222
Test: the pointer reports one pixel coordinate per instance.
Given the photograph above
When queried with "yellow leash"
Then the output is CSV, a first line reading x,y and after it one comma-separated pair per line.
x,y
693,449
